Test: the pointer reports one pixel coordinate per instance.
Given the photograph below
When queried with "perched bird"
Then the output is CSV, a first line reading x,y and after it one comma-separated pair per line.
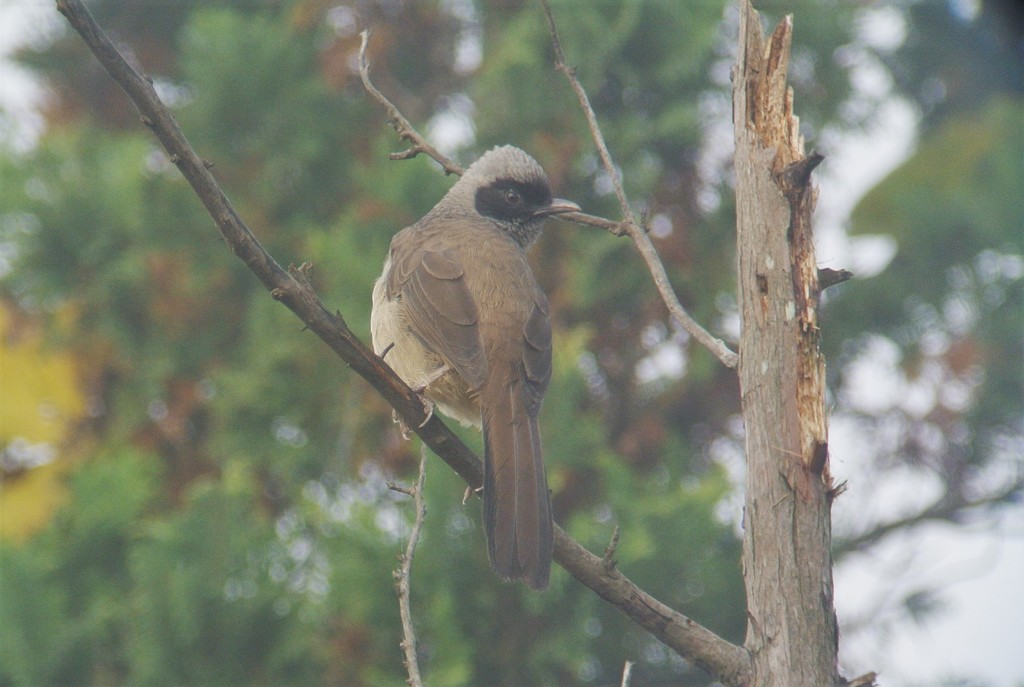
x,y
459,316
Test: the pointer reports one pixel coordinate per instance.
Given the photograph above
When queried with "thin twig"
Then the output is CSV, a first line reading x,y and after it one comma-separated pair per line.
x,y
588,111
609,225
609,551
405,130
627,673
945,509
640,238
865,680
404,573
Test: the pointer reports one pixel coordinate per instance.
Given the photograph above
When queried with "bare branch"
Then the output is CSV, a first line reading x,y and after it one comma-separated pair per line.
x,y
865,680
609,551
627,673
404,573
609,225
726,661
588,111
640,238
407,132
292,289
829,277
947,508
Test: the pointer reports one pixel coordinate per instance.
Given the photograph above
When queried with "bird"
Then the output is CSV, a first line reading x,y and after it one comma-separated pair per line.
x,y
459,316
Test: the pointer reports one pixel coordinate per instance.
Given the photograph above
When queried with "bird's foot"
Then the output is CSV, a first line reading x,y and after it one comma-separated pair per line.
x,y
469,492
428,408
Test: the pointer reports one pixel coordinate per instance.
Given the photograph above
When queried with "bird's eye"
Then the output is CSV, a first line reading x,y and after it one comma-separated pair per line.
x,y
512,197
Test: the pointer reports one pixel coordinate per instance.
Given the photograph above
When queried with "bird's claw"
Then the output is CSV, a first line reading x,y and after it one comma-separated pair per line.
x,y
428,408
469,492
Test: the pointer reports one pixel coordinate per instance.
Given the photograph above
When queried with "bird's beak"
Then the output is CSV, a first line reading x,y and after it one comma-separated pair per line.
x,y
559,206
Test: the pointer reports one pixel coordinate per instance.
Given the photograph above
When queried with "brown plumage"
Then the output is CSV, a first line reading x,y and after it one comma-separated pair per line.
x,y
461,317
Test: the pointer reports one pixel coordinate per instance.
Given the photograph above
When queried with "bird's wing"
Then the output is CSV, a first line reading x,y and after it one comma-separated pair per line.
x,y
440,308
537,353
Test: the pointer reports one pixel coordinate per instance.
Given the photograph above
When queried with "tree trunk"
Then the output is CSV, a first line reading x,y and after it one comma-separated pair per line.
x,y
787,564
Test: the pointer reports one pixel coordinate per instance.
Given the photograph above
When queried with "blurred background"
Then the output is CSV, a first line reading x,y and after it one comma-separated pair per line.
x,y
193,488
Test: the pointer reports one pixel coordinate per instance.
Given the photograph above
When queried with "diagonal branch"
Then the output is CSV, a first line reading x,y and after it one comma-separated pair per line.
x,y
948,508
639,235
588,111
291,286
396,119
728,662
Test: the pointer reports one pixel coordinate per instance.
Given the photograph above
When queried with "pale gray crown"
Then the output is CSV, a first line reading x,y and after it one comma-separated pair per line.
x,y
504,162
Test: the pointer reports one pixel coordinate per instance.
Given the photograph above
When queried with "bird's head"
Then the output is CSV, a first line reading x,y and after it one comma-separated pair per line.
x,y
510,188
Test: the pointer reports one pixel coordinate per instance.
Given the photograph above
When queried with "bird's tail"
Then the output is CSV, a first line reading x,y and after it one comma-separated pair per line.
x,y
517,508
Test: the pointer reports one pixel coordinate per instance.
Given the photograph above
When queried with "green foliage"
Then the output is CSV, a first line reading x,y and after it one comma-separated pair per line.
x,y
292,160
956,58
65,591
200,589
953,295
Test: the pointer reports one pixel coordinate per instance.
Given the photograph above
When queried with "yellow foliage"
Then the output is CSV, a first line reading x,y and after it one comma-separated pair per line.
x,y
28,501
39,394
39,401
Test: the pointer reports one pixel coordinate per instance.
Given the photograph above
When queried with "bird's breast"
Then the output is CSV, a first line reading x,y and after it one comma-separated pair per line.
x,y
418,366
